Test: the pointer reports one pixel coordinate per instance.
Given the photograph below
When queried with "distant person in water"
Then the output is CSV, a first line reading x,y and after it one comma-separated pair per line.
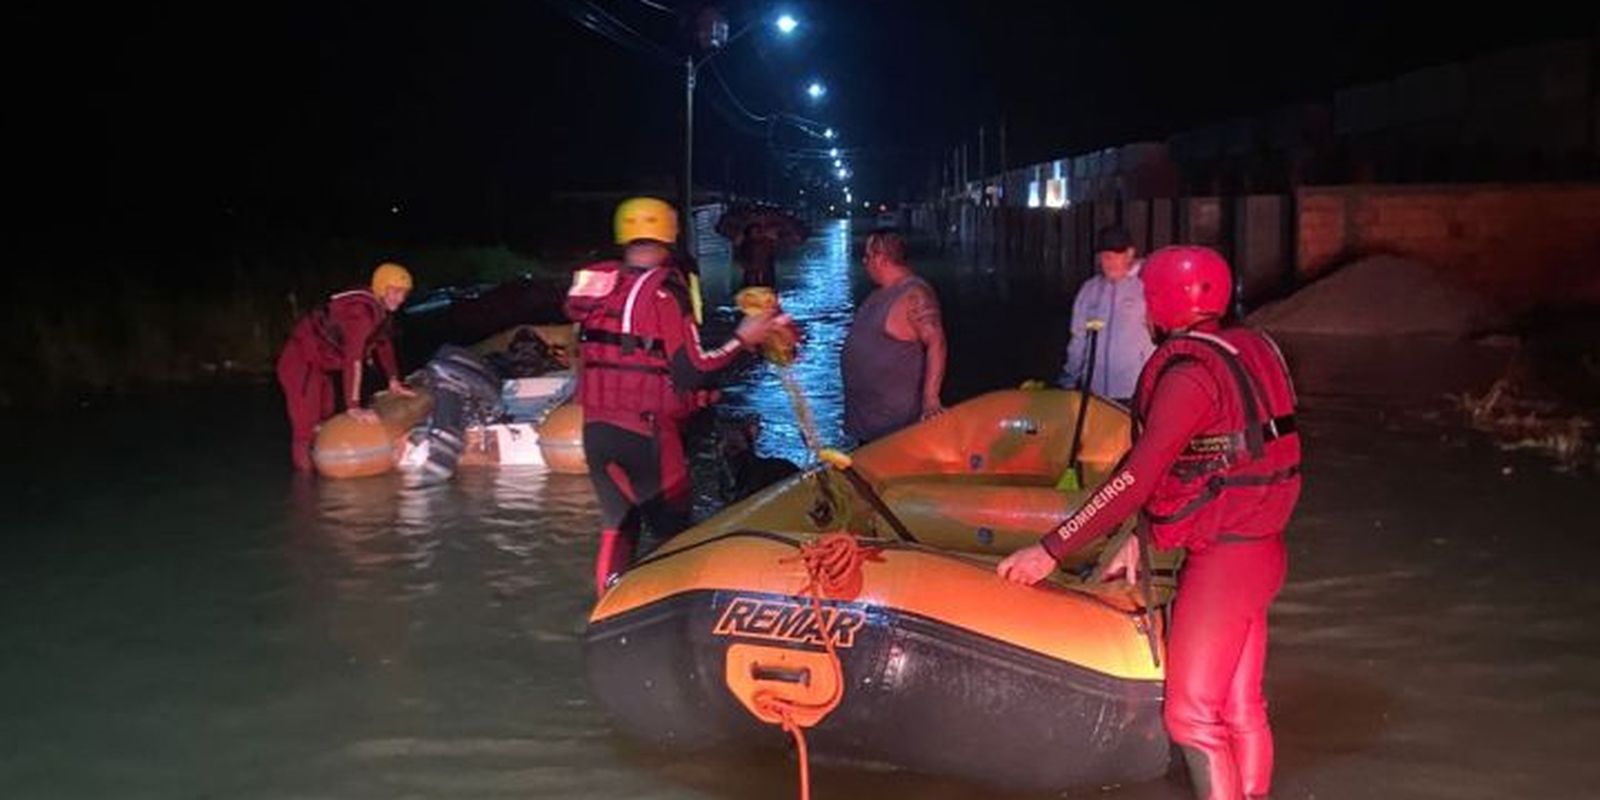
x,y
756,251
894,355
339,336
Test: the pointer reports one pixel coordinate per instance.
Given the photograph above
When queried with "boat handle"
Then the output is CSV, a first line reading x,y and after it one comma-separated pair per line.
x,y
800,675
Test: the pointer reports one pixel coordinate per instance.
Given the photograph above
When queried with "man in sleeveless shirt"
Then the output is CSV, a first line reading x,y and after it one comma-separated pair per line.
x,y
894,355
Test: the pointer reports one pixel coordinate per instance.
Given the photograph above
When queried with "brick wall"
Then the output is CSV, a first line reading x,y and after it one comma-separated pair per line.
x,y
1522,244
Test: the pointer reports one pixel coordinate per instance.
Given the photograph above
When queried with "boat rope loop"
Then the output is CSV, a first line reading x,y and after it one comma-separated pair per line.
x,y
833,569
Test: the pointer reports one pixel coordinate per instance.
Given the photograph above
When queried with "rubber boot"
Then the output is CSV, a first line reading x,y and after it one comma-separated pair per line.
x,y
1212,774
616,551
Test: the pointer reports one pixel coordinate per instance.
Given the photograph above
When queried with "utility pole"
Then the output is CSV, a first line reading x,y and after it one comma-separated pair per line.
x,y
687,212
983,172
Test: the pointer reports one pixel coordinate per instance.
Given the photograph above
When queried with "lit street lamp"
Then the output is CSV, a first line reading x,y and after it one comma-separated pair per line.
x,y
714,38
816,90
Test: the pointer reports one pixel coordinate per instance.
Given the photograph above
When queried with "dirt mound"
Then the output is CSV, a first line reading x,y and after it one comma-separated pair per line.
x,y
1382,296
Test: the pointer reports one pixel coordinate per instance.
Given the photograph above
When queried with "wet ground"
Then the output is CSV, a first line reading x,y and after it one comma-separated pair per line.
x,y
185,620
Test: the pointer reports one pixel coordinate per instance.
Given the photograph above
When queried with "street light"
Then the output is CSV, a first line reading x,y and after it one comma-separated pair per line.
x,y
828,133
838,163
816,90
715,42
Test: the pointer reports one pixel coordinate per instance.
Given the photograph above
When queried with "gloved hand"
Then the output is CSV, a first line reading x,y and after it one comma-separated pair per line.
x,y
754,328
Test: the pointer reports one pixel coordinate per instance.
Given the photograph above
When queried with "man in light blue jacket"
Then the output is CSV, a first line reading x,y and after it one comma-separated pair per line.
x,y
1116,297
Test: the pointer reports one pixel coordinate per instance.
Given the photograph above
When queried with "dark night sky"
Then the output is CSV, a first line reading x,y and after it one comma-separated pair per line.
x,y
150,118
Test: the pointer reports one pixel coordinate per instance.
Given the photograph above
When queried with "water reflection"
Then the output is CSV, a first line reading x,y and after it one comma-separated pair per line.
x,y
814,284
504,528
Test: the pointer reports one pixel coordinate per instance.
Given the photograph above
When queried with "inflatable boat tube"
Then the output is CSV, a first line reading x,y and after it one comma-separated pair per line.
x,y
346,447
561,440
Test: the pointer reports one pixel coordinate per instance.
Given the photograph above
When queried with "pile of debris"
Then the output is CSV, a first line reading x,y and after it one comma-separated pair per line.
x,y
1382,296
1549,398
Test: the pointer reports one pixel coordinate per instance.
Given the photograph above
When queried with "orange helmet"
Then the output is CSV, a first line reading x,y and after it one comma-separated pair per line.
x,y
390,274
646,218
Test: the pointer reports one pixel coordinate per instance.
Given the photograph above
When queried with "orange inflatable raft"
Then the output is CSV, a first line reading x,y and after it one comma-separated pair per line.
x,y
801,606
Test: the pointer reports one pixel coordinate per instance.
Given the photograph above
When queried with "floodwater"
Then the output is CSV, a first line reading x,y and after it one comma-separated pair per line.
x,y
184,619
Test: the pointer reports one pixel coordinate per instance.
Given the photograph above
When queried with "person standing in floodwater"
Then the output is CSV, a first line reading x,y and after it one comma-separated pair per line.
x,y
642,372
756,251
894,355
1115,297
1215,470
339,336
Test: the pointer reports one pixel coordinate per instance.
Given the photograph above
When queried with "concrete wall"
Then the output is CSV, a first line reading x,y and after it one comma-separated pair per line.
x,y
1528,114
1523,244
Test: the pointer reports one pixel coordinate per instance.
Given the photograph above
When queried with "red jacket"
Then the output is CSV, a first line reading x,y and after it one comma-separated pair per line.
x,y
639,346
344,331
1217,455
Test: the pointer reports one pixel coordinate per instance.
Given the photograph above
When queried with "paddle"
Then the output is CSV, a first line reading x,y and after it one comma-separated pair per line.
x,y
1072,480
843,463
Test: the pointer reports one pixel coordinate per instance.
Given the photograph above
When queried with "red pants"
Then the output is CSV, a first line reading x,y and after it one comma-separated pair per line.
x,y
642,480
1216,656
309,394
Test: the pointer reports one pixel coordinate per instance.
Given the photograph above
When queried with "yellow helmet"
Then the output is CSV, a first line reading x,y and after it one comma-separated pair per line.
x,y
390,274
646,218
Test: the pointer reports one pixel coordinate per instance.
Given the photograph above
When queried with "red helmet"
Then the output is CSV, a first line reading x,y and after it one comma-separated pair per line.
x,y
1184,285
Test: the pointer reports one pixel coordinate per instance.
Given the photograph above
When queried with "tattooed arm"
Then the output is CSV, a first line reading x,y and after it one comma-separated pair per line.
x,y
922,312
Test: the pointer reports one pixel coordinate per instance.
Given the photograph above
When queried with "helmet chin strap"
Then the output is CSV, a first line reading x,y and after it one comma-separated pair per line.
x,y
1160,335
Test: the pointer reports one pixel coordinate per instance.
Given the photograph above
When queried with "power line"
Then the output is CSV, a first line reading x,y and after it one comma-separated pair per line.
x,y
602,23
645,42
658,7
754,117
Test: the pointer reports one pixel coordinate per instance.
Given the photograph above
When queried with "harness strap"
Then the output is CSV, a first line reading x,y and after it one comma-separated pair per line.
x,y
648,369
1215,486
627,341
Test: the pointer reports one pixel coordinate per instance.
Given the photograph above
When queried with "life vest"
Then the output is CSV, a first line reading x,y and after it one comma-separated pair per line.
x,y
621,341
1243,473
330,335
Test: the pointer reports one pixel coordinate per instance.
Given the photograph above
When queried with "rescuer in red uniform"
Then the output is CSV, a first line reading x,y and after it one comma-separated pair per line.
x,y
339,336
1215,469
643,372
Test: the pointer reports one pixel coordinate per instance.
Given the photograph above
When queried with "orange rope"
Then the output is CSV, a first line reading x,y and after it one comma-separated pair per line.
x,y
833,567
